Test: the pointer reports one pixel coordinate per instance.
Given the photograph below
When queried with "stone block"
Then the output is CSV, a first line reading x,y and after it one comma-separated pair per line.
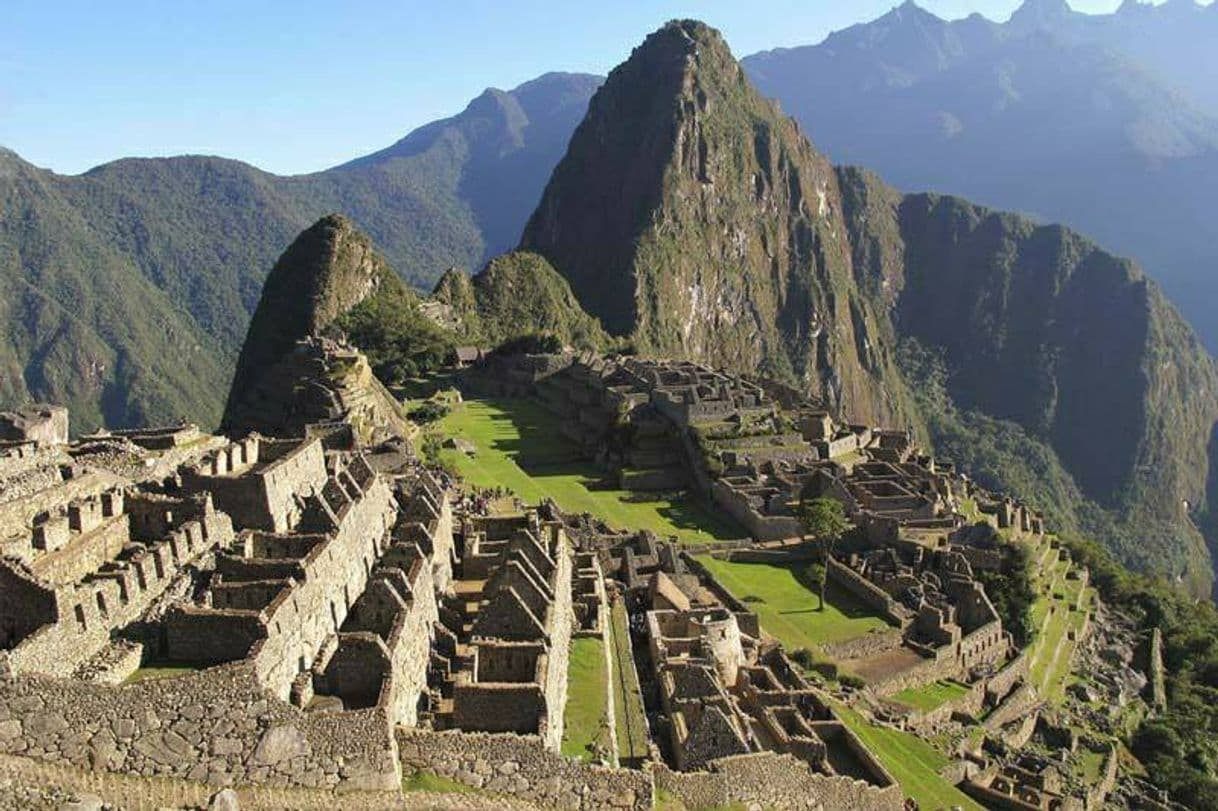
x,y
45,724
226,746
224,800
167,748
280,744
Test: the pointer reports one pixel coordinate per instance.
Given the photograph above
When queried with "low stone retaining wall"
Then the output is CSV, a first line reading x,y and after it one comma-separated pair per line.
x,y
216,726
870,594
1011,674
1018,703
870,644
151,794
771,780
969,704
520,767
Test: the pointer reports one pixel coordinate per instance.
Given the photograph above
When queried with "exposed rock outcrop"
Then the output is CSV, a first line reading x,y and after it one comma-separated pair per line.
x,y
287,375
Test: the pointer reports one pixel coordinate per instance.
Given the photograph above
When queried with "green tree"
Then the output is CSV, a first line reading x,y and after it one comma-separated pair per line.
x,y
824,519
818,574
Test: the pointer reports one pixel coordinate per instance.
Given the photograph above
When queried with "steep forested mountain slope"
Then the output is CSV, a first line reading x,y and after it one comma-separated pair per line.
x,y
80,325
691,216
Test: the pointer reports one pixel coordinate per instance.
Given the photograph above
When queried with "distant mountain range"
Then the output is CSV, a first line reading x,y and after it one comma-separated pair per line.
x,y
1103,122
1106,123
125,292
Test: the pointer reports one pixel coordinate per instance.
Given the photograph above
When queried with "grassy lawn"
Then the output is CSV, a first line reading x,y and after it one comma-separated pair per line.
x,y
931,696
519,447
627,699
788,609
912,761
586,725
434,783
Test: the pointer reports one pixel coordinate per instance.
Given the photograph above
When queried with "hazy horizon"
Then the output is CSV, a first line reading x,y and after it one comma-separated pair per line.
x,y
302,91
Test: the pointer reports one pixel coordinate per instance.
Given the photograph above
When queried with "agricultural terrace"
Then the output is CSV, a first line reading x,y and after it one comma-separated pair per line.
x,y
912,761
1058,614
931,696
518,446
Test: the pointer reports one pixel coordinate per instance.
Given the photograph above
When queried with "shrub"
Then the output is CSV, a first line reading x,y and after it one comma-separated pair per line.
x,y
804,658
430,411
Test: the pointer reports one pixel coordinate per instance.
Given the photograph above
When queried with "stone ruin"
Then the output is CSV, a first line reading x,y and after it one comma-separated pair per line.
x,y
724,694
501,655
37,425
295,588
332,619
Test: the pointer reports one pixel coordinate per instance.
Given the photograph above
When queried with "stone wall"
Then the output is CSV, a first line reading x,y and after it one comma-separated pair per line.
x,y
259,494
87,612
942,666
135,793
217,726
1015,705
774,781
409,645
870,644
336,574
520,766
870,594
1011,674
969,704
558,656
84,552
761,527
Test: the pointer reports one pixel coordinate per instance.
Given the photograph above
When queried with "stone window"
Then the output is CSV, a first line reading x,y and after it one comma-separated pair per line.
x,y
101,605
80,617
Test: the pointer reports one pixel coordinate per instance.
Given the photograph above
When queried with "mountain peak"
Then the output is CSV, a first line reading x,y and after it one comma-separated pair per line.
x,y
684,215
1034,14
327,270
11,163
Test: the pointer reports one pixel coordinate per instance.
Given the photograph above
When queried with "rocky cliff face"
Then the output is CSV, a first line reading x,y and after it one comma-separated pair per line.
x,y
329,270
690,214
1040,327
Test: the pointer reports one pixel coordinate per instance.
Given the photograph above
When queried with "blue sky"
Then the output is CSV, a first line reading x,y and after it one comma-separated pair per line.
x,y
299,86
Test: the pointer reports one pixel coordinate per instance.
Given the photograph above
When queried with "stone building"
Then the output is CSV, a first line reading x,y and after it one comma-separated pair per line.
x,y
725,693
501,659
95,568
38,424
298,589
